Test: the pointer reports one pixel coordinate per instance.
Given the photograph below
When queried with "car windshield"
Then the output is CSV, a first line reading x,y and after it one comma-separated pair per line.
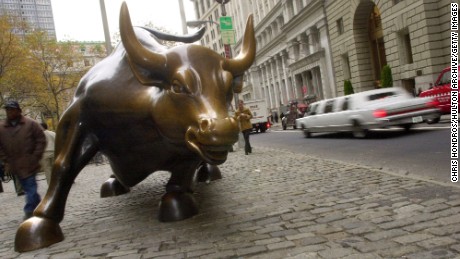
x,y
381,95
311,110
445,79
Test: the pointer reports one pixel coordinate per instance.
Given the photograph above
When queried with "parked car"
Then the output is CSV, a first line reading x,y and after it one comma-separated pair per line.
x,y
259,121
441,91
360,112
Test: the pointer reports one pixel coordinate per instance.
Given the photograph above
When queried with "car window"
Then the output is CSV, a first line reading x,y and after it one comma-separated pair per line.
x,y
345,104
445,79
329,106
378,96
311,110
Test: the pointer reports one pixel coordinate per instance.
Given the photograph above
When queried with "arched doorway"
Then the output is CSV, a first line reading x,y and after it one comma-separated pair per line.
x,y
377,44
369,42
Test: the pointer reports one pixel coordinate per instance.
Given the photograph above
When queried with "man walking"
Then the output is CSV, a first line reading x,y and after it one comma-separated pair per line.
x,y
22,143
244,116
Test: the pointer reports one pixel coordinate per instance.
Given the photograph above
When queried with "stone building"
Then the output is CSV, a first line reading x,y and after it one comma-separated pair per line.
x,y
37,13
411,36
293,60
307,48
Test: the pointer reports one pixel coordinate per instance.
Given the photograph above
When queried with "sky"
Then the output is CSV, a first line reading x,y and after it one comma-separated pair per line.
x,y
80,20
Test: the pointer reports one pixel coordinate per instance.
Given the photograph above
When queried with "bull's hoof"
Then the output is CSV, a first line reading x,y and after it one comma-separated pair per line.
x,y
175,206
112,187
208,173
36,233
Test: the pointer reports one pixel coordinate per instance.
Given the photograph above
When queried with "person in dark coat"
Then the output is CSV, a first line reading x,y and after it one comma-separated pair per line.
x,y
22,143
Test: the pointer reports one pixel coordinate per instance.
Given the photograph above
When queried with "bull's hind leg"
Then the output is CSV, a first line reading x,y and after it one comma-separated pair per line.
x,y
43,229
113,187
178,202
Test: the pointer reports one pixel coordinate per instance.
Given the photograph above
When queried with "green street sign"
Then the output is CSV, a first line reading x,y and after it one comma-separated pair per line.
x,y
228,37
226,23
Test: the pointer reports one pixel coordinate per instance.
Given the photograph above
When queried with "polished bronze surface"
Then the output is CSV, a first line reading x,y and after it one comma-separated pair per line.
x,y
146,108
207,173
112,187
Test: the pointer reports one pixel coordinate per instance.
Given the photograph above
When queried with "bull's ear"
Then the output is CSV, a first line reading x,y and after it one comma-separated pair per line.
x,y
144,76
237,84
145,64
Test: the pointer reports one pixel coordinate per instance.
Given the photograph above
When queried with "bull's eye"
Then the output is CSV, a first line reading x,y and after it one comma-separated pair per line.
x,y
179,88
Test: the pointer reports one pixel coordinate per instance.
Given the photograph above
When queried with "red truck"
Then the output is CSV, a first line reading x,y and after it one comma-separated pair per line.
x,y
441,92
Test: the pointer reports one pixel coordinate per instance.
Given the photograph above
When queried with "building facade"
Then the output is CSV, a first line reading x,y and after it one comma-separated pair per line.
x,y
411,36
307,48
293,60
37,13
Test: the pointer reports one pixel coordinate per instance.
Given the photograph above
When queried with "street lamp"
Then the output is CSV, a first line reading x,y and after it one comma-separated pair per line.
x,y
108,42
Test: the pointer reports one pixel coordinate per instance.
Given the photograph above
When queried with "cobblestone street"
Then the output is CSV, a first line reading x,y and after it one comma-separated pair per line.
x,y
270,204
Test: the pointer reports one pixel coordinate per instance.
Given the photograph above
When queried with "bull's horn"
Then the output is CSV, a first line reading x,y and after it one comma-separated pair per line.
x,y
137,53
244,60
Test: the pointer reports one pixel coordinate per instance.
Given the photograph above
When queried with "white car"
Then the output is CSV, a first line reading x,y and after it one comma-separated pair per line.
x,y
360,112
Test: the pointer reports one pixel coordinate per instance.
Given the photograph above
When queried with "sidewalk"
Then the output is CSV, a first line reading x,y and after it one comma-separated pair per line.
x,y
268,205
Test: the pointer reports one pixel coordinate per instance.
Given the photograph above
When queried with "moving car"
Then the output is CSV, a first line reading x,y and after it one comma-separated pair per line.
x,y
360,112
441,91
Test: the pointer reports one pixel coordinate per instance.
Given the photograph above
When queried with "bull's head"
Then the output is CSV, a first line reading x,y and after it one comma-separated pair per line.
x,y
192,86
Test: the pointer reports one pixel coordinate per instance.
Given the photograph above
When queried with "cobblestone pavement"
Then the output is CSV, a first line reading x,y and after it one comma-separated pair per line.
x,y
270,204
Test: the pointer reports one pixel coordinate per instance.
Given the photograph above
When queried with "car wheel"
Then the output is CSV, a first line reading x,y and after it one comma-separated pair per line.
x,y
358,131
407,127
294,126
306,132
433,121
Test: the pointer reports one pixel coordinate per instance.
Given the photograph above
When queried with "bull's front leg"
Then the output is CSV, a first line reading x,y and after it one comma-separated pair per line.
x,y
178,202
207,173
43,228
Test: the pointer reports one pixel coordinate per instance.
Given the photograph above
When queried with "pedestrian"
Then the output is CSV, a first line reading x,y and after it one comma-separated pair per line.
x,y
22,143
16,182
48,156
243,115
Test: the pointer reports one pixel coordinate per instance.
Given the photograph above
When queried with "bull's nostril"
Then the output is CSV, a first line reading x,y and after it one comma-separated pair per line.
x,y
204,125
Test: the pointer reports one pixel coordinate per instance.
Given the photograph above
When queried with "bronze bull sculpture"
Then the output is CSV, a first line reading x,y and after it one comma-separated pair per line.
x,y
147,108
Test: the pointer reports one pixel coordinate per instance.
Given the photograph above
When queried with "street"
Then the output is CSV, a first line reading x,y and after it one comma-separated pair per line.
x,y
422,152
270,204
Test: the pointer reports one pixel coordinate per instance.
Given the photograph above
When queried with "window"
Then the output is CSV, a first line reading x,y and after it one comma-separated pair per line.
x,y
346,67
405,47
345,104
340,28
311,110
329,106
378,96
445,79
